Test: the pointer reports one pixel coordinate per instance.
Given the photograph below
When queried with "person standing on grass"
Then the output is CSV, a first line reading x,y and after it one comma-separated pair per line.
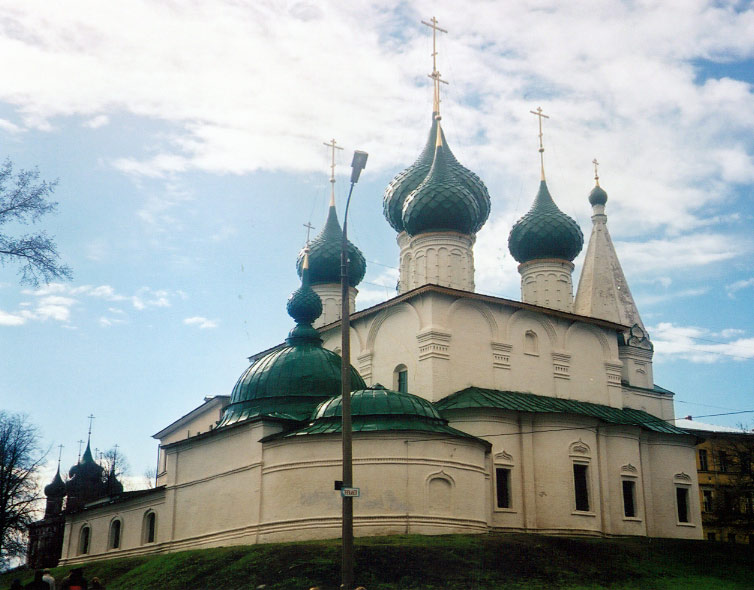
x,y
74,581
96,584
47,577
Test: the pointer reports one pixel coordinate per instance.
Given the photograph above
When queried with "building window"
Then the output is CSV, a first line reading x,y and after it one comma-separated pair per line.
x,y
115,527
400,379
711,537
722,461
707,500
629,498
150,526
503,487
703,464
581,486
682,503
84,539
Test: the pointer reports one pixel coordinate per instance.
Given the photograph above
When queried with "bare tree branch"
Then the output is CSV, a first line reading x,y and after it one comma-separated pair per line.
x,y
24,199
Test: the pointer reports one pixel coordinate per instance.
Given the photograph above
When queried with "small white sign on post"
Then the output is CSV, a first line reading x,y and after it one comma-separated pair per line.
x,y
350,492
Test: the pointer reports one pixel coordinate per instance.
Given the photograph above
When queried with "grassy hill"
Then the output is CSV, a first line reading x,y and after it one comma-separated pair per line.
x,y
411,562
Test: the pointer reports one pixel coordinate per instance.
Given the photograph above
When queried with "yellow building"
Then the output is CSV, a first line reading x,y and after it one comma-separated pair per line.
x,y
726,484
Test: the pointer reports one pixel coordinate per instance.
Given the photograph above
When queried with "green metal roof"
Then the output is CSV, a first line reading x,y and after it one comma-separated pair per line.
x,y
378,410
545,232
476,397
324,255
288,382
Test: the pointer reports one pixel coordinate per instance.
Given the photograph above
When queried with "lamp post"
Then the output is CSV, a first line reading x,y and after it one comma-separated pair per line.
x,y
357,165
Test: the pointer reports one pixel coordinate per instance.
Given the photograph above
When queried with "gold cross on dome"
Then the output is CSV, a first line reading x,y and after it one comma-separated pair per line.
x,y
541,116
330,144
435,75
596,175
308,227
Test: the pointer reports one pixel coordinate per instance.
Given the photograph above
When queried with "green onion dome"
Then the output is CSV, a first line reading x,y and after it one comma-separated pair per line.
x,y
378,409
56,488
406,182
324,255
545,232
288,382
598,196
442,202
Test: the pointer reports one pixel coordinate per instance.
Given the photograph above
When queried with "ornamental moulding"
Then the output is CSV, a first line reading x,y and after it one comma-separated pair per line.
x,y
433,344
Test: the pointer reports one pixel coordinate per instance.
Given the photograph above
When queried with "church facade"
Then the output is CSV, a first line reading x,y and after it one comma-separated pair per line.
x,y
471,413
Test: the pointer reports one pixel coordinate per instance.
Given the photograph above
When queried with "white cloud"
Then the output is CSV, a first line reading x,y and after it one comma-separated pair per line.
x,y
200,322
737,286
376,289
700,345
97,122
11,319
10,127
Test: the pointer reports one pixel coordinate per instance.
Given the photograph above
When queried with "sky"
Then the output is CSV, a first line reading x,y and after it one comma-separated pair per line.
x,y
187,140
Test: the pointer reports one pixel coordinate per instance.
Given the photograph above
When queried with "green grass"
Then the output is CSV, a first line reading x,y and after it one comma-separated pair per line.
x,y
412,562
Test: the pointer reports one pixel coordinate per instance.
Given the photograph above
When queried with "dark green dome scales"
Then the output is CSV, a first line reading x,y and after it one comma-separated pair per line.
x,y
290,381
377,409
406,182
324,255
545,232
441,201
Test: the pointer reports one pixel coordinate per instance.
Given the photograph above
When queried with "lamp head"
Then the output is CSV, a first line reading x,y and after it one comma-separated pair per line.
x,y
358,164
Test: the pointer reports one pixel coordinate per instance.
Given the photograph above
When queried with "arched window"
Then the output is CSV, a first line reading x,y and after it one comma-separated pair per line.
x,y
115,530
84,539
400,379
150,527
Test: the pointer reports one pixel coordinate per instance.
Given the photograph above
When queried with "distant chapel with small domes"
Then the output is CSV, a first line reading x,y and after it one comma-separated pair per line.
x,y
471,413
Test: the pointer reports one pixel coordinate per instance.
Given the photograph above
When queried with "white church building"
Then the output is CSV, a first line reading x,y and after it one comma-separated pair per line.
x,y
471,413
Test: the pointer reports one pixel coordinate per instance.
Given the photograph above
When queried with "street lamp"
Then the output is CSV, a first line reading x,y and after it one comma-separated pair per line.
x,y
357,165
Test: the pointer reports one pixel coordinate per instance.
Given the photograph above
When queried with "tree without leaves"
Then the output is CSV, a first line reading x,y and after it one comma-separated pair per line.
x,y
24,199
114,464
20,459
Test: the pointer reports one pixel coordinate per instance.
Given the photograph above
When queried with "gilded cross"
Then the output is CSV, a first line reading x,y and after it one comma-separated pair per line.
x,y
91,419
596,175
308,227
330,144
435,75
541,116
81,442
60,454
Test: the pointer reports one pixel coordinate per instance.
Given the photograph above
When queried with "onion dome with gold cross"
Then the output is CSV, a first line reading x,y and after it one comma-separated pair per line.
x,y
377,409
545,231
454,189
324,255
290,381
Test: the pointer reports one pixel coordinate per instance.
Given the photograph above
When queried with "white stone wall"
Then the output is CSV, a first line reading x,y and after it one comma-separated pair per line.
x,y
449,343
548,283
439,258
329,293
